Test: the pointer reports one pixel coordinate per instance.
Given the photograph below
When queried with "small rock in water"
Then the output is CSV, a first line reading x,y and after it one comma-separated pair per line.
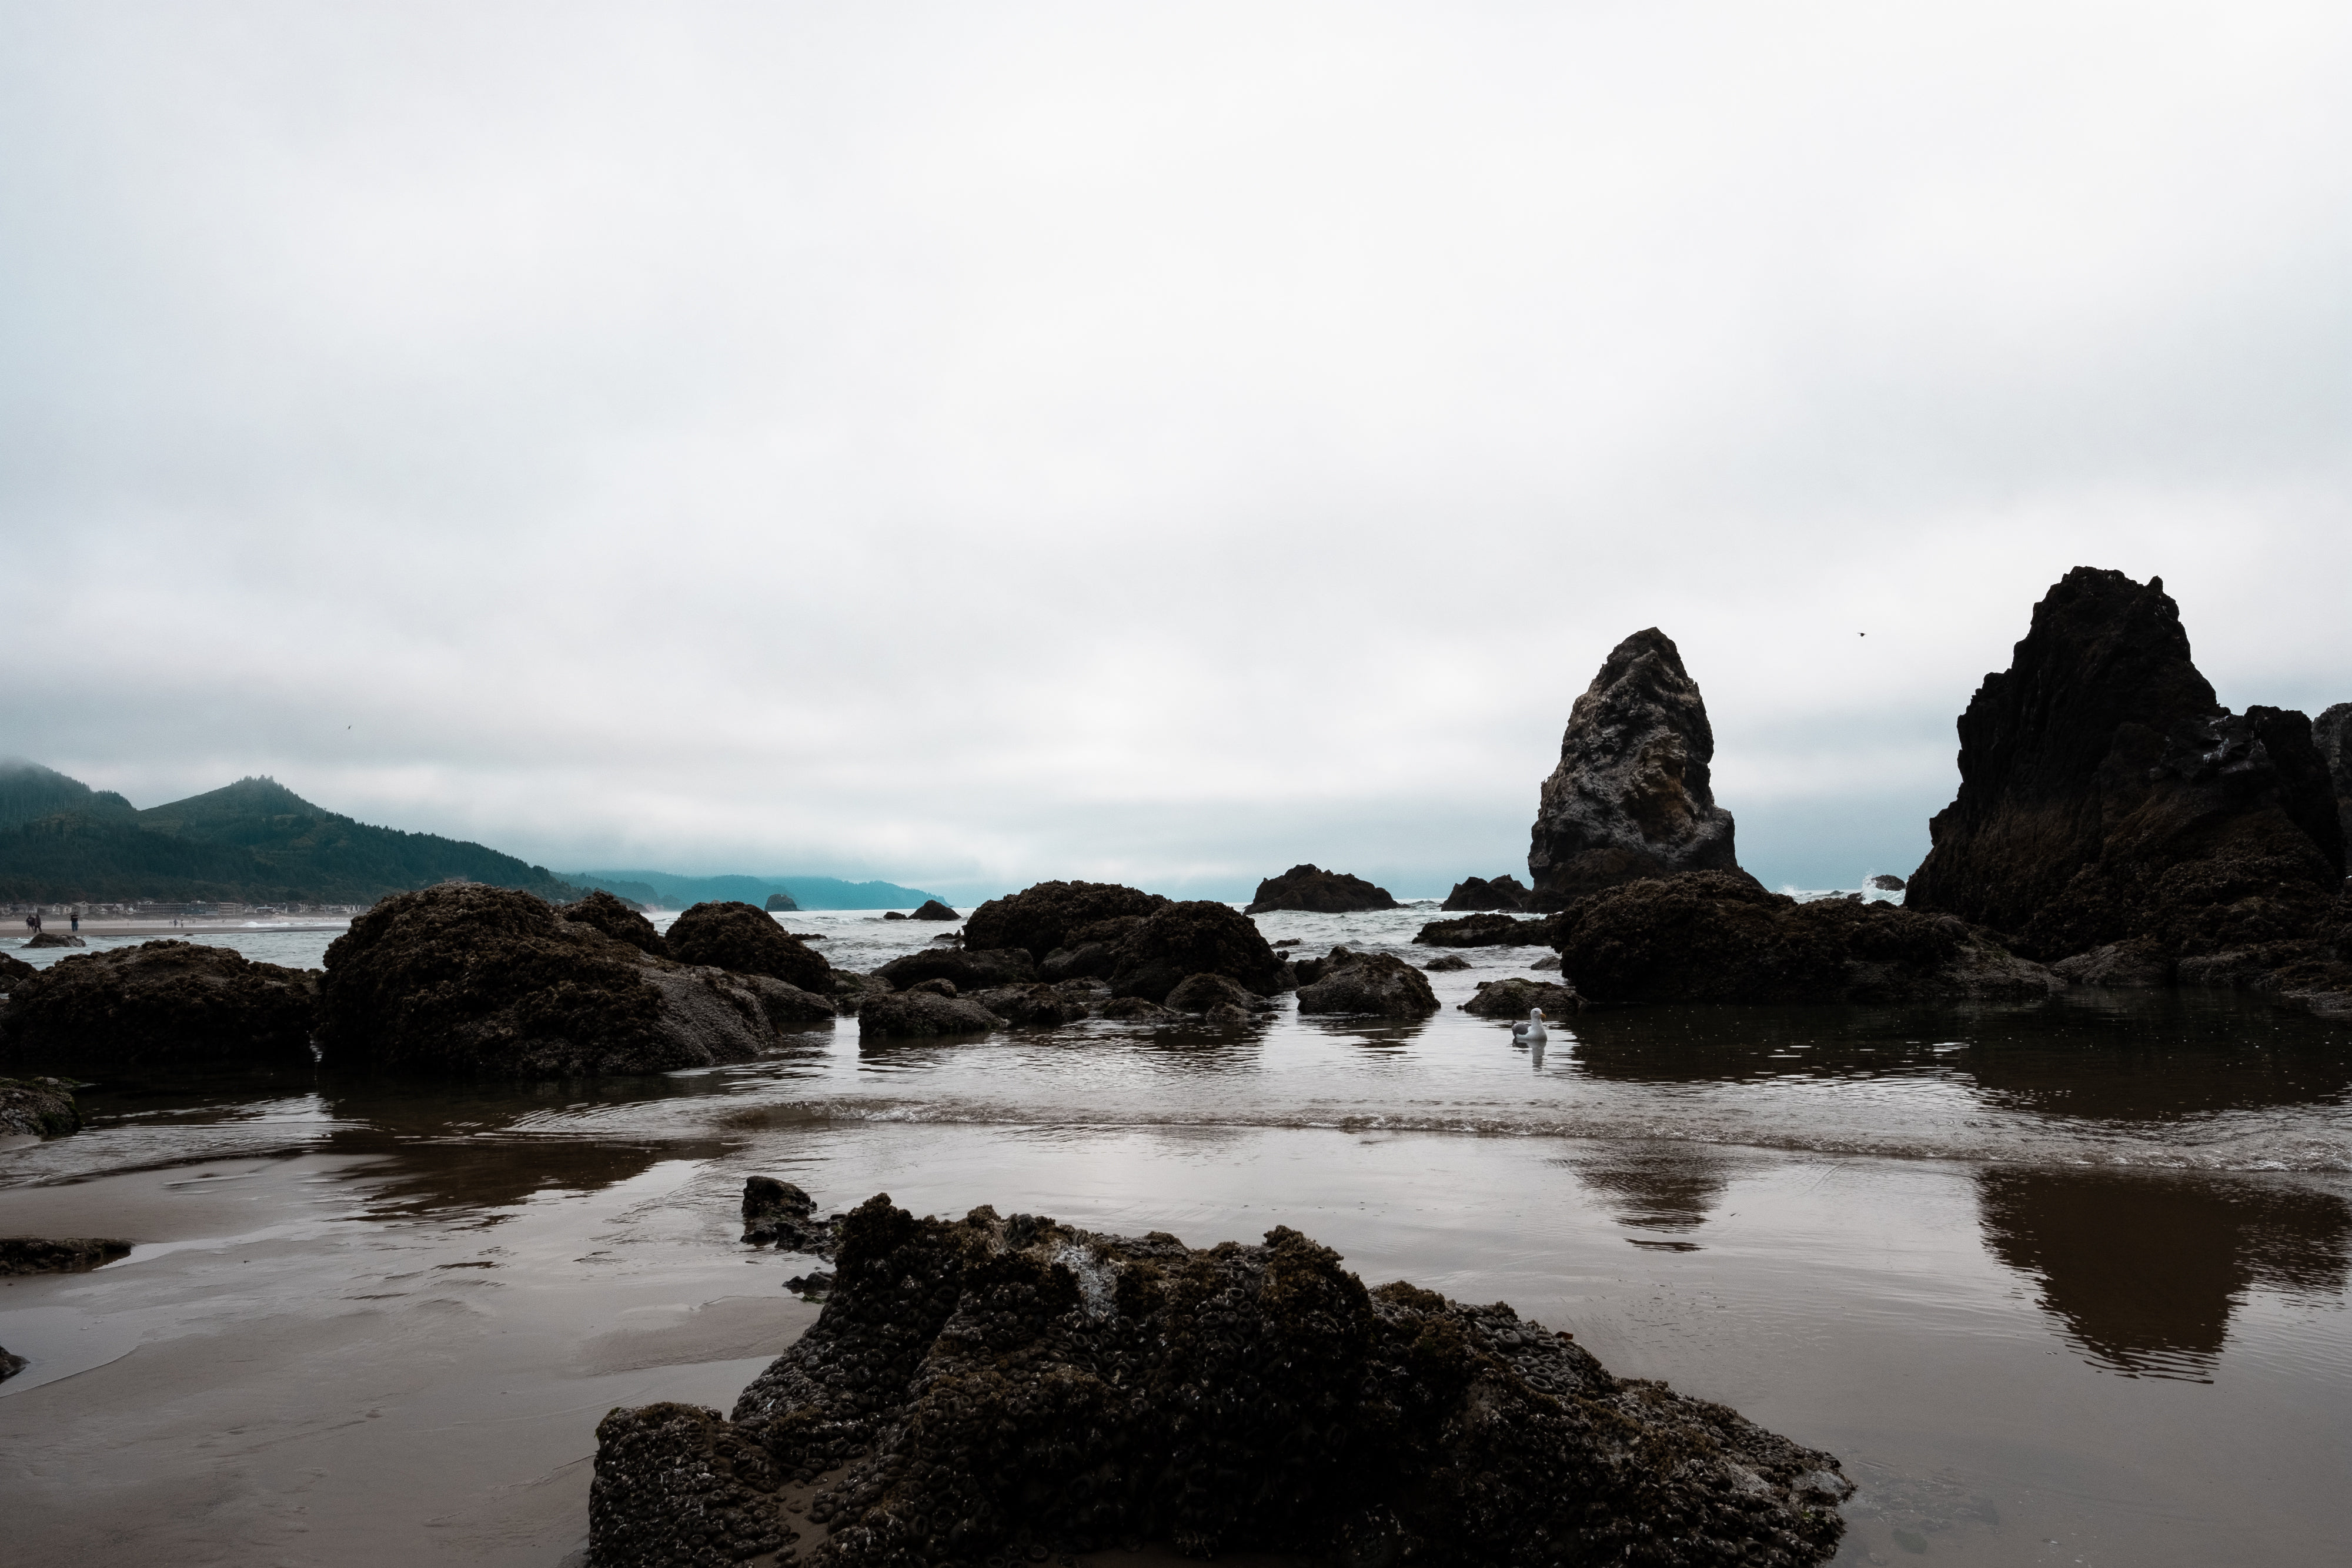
x,y
38,1107
1885,884
55,939
1318,892
810,1287
58,1255
10,1365
1550,963
893,914
1376,983
1447,962
932,909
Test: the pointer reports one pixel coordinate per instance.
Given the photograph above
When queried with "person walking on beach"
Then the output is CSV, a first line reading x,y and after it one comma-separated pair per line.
x,y
75,918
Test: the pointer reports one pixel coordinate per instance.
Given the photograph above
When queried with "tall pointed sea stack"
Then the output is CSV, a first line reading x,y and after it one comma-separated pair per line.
x,y
1631,797
2106,796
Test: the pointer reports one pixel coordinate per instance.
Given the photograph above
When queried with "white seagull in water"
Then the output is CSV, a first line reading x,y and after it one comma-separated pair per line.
x,y
1531,1033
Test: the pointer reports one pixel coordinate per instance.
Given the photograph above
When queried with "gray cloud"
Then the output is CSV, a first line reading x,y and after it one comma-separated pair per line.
x,y
970,445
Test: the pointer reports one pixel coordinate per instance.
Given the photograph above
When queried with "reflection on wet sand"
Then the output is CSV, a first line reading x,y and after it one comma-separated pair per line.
x,y
2142,1272
1656,1186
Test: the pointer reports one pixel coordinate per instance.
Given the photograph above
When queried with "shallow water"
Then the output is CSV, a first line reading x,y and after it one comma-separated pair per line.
x,y
2060,1284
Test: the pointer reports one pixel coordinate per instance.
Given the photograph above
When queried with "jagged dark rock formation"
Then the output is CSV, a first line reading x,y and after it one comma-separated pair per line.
x,y
917,1013
1318,892
1042,1005
58,1254
1631,797
782,903
1485,931
1195,937
1718,937
164,1002
13,969
1043,917
1377,983
780,1215
1216,999
2331,733
2106,795
38,1108
607,913
971,970
1514,997
1477,893
53,939
736,936
1002,1389
483,979
932,909
1092,950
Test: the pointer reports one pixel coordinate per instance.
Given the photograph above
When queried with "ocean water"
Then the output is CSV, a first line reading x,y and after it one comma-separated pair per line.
x,y
2061,1283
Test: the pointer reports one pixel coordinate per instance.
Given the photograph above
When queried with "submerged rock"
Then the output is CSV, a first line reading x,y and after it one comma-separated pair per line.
x,y
1477,893
38,1108
914,1014
971,970
1376,983
607,913
1485,931
1195,937
58,1254
932,909
780,1215
734,935
1516,996
1318,892
2106,795
1044,917
487,979
1010,1388
164,1001
1632,796
1718,937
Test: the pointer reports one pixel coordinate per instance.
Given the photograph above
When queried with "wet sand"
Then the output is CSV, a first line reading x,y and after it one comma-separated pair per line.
x,y
2021,1275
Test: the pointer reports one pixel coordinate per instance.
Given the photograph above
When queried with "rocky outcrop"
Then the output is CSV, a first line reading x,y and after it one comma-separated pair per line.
x,y
2106,796
2331,734
1632,796
12,970
971,970
1318,892
53,939
1485,931
163,1002
1195,937
10,1365
1092,951
1516,998
1374,983
932,909
1718,937
1885,884
1007,1389
476,979
1043,917
58,1254
1044,1006
919,1013
616,919
1446,962
1477,893
1217,999
1135,1009
2125,964
733,936
780,1215
38,1108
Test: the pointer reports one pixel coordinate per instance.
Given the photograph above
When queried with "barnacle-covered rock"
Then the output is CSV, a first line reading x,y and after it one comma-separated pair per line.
x,y
1197,936
1003,1388
1368,983
732,934
38,1107
164,1001
607,912
1485,931
1205,994
1513,998
58,1254
1045,916
1039,1005
923,1012
781,1215
971,970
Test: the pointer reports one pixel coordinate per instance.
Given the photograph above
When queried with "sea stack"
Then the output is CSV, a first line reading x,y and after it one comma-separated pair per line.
x,y
2106,795
1630,798
2332,731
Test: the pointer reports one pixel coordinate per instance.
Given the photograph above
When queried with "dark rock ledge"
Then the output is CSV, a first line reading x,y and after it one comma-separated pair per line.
x,y
988,1390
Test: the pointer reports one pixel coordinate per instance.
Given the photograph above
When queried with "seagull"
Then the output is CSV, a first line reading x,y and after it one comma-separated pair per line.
x,y
1531,1033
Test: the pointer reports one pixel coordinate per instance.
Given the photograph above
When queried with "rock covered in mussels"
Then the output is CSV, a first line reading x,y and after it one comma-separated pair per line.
x,y
914,1014
2106,795
1477,893
1377,983
1632,796
164,1001
38,1107
780,1214
616,919
733,936
1485,931
1017,1388
1719,936
2331,733
468,978
53,939
1217,999
1041,917
58,1254
1515,997
12,970
971,970
1197,936
1318,892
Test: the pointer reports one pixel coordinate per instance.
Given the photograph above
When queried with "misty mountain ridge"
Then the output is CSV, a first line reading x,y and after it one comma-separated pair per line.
x,y
665,890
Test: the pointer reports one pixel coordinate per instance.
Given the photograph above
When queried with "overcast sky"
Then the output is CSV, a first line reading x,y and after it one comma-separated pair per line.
x,y
973,443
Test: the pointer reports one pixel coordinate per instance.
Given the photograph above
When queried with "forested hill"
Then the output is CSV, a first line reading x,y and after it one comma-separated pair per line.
x,y
255,841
